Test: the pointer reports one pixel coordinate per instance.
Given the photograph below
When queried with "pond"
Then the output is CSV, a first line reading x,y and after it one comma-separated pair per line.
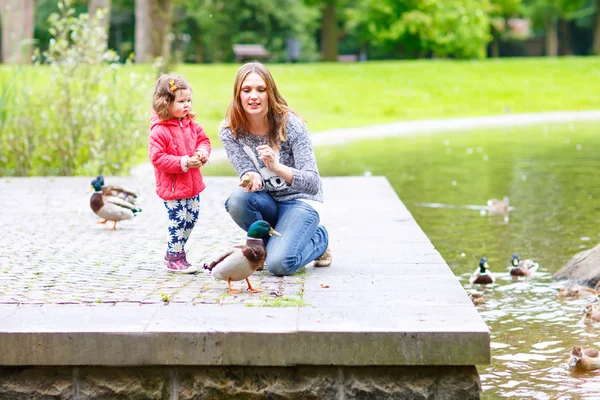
x,y
551,173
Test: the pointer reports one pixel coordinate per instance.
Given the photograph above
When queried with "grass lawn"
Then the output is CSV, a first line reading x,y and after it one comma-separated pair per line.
x,y
358,94
334,95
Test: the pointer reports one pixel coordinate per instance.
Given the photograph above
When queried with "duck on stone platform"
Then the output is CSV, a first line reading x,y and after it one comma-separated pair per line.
x,y
239,262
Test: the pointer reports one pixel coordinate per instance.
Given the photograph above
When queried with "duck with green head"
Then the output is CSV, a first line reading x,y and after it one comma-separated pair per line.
x,y
520,267
111,208
482,274
239,262
117,191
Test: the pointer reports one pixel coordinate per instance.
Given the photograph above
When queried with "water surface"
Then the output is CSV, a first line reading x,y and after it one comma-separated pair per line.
x,y
552,177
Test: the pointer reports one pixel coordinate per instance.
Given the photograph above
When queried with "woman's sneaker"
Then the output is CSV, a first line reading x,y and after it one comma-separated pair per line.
x,y
324,260
177,264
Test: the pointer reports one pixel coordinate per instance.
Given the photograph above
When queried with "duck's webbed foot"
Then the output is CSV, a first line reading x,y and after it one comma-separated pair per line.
x,y
114,227
231,291
251,289
102,222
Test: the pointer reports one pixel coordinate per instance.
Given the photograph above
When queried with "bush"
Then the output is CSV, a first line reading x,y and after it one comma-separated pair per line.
x,y
88,115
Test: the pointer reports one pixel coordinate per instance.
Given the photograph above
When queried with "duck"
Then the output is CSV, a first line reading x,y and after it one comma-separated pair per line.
x,y
584,359
239,262
496,206
476,297
481,274
522,267
111,208
117,191
591,317
577,291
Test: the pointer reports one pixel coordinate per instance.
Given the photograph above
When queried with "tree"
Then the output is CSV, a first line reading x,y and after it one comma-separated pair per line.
x,y
451,28
329,27
143,31
95,5
500,11
596,46
153,23
17,31
548,13
222,23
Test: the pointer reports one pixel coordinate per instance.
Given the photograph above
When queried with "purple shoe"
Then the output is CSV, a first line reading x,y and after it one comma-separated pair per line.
x,y
177,264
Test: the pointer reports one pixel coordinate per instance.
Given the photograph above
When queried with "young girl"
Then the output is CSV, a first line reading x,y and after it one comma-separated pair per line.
x,y
177,147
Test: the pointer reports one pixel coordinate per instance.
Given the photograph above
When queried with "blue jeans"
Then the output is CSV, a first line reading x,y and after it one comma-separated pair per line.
x,y
302,238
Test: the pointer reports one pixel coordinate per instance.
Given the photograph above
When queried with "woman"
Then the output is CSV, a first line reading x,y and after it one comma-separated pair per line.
x,y
270,148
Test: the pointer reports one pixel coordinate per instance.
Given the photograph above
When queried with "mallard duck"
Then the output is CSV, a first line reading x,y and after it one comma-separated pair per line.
x,y
481,274
239,262
117,191
522,267
496,206
591,317
111,208
584,360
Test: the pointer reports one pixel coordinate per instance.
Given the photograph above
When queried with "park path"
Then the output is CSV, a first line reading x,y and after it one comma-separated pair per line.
x,y
408,128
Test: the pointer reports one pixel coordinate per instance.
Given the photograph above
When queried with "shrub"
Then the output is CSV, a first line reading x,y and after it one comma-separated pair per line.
x,y
88,115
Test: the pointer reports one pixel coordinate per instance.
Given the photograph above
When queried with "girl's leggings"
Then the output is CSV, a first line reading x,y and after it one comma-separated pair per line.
x,y
183,215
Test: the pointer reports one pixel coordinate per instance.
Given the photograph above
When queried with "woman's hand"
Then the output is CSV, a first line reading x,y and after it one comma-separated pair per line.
x,y
267,156
251,182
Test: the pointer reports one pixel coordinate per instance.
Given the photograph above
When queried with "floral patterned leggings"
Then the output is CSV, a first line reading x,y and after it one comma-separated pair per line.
x,y
183,215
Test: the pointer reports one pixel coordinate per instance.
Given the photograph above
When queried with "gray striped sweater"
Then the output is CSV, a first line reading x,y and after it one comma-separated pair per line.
x,y
296,152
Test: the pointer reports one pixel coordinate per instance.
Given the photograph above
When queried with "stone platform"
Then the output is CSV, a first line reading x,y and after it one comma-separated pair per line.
x,y
85,311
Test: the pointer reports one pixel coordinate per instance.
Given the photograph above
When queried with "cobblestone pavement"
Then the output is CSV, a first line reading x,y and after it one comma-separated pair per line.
x,y
52,251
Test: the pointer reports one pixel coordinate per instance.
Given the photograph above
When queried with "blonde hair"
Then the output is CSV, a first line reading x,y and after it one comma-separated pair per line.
x,y
164,94
277,113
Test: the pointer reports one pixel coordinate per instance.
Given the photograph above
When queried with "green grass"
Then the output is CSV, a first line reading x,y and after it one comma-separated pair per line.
x,y
338,95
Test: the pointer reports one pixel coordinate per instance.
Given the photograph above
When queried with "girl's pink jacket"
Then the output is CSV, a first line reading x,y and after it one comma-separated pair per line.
x,y
170,141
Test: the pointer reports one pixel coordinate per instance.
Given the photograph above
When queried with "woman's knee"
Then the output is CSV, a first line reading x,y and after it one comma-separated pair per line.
x,y
238,202
282,265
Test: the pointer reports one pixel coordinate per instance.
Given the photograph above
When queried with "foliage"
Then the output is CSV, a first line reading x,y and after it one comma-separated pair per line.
x,y
453,28
89,120
219,25
542,11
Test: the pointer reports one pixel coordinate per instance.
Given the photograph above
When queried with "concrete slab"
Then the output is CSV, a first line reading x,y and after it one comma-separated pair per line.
x,y
74,293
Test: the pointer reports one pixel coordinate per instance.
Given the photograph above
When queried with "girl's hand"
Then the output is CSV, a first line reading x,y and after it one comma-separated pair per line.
x,y
267,156
194,162
251,182
202,156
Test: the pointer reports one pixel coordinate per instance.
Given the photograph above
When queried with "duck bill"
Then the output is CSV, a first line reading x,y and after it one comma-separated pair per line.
x,y
486,266
274,232
573,361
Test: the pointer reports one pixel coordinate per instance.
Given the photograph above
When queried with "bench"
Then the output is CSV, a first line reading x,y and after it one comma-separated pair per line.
x,y
247,52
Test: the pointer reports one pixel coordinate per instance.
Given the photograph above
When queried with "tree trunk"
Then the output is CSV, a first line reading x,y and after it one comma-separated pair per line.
x,y
162,37
143,32
597,30
17,31
584,267
495,47
565,34
551,38
95,5
329,35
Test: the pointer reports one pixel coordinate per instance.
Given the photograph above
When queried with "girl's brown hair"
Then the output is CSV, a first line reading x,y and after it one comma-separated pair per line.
x,y
164,94
277,114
